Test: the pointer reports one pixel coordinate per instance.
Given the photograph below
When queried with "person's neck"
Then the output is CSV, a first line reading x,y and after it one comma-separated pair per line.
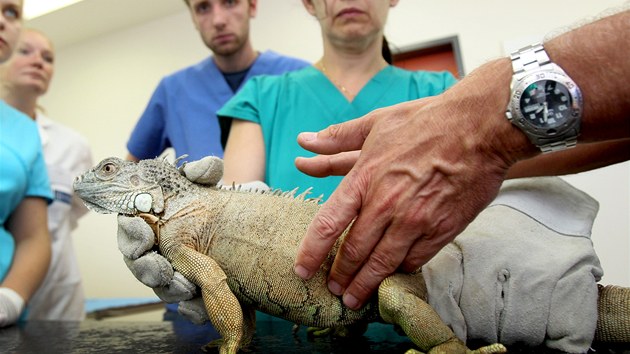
x,y
238,61
351,70
24,103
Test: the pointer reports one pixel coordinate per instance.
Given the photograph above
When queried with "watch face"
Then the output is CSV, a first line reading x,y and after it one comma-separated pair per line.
x,y
546,104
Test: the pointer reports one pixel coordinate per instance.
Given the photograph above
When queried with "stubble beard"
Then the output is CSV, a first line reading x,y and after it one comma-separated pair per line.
x,y
227,49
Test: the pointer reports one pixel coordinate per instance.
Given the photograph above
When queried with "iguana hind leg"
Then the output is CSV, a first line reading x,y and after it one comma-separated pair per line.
x,y
401,301
222,306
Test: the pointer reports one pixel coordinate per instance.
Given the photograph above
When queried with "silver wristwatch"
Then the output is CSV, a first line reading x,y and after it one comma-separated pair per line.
x,y
545,104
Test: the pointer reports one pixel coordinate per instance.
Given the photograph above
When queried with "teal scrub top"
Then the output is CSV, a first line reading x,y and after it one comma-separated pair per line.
x,y
305,100
22,173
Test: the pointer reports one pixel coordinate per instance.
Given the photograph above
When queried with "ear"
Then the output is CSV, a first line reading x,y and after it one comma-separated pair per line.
x,y
308,5
194,19
393,3
253,6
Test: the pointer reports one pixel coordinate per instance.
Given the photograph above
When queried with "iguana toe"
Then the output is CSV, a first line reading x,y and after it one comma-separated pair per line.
x,y
490,349
213,346
318,331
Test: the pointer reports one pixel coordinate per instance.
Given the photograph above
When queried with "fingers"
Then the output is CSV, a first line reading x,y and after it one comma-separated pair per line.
x,y
11,306
152,269
194,310
207,170
323,165
337,138
372,251
383,261
422,251
332,219
178,289
135,236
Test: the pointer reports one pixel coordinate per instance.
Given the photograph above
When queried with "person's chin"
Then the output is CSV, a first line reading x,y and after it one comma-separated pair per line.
x,y
39,89
225,49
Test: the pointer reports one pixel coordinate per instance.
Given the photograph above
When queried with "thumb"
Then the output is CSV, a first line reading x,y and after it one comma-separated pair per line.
x,y
337,138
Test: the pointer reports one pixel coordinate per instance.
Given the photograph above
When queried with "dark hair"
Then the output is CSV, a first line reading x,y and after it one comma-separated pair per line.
x,y
387,54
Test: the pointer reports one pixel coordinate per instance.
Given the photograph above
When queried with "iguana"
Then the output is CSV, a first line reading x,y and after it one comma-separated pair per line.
x,y
238,248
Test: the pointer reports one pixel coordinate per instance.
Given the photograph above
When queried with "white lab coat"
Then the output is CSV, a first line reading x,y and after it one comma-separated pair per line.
x,y
67,154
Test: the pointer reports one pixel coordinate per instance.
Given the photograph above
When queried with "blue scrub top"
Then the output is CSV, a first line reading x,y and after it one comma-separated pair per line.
x,y
306,100
182,111
22,173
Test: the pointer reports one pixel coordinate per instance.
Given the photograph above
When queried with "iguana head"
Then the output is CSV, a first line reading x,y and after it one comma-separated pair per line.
x,y
125,187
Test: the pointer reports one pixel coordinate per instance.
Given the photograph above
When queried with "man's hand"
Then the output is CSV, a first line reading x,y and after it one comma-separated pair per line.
x,y
425,169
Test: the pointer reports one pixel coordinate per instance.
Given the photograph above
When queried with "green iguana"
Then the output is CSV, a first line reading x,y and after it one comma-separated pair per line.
x,y
239,247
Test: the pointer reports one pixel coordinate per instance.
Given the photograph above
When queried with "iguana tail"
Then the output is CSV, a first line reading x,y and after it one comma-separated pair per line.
x,y
613,320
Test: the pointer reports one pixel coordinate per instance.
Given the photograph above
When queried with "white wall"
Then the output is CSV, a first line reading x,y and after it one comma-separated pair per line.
x,y
102,85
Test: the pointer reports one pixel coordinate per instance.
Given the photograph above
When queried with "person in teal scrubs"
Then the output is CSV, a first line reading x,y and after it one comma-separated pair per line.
x,y
351,79
24,192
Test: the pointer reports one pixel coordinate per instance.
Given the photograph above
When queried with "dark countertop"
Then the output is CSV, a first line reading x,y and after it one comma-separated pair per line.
x,y
272,336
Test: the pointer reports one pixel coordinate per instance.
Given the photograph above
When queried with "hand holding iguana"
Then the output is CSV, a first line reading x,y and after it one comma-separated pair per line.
x,y
136,241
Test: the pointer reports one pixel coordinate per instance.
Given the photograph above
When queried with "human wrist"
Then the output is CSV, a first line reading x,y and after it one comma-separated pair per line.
x,y
486,92
598,70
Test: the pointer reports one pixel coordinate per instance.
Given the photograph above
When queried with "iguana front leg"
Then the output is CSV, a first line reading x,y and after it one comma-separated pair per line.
x,y
222,306
401,301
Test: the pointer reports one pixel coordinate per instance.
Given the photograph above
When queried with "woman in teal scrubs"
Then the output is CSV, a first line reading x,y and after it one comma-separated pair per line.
x,y
351,79
24,192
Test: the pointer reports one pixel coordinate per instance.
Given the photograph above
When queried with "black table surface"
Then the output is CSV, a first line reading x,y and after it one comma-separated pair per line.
x,y
272,336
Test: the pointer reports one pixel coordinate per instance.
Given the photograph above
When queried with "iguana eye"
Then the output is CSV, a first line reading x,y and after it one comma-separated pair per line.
x,y
108,170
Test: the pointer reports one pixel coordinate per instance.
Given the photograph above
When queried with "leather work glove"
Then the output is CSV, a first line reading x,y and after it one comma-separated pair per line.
x,y
136,241
194,310
11,306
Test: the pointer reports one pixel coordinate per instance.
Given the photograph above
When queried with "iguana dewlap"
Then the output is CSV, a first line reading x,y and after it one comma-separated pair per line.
x,y
239,248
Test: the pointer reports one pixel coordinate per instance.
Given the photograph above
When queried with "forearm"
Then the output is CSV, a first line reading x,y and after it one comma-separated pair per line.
x,y
28,225
595,56
584,157
244,158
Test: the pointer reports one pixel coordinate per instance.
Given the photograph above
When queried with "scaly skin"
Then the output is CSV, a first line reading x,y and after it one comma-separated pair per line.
x,y
613,319
239,247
